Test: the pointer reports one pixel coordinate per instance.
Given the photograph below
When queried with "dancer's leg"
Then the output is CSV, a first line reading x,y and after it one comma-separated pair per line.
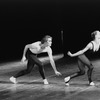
x,y
87,62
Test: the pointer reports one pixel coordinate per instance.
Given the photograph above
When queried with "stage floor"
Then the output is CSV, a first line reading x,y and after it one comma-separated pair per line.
x,y
31,87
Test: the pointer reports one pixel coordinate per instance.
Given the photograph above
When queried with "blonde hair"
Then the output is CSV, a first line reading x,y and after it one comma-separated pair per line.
x,y
93,34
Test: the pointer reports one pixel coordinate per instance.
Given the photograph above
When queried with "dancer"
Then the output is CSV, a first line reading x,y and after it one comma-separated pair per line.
x,y
83,61
30,54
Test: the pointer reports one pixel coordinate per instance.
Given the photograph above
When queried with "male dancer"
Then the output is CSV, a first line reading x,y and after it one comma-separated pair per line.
x,y
30,53
83,61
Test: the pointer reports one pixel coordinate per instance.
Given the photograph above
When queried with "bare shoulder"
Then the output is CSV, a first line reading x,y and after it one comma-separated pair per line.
x,y
90,45
49,49
36,43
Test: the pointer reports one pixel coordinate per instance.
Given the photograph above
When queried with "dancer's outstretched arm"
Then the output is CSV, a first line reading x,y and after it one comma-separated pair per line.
x,y
89,46
52,62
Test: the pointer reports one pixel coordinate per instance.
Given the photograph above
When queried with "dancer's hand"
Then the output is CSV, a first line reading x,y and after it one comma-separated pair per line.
x,y
58,73
70,54
23,59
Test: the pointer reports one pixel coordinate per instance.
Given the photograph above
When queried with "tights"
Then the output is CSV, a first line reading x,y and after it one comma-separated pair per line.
x,y
82,62
32,60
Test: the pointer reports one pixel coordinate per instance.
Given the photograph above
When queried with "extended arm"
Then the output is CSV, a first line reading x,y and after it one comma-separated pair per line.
x,y
53,63
24,52
89,46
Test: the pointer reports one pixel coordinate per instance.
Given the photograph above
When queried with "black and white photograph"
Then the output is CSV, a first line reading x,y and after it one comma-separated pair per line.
x,y
50,50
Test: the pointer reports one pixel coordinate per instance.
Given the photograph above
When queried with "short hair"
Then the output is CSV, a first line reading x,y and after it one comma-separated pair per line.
x,y
45,38
93,34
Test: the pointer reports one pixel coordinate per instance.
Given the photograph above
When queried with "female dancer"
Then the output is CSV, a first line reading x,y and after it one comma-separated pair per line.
x,y
83,61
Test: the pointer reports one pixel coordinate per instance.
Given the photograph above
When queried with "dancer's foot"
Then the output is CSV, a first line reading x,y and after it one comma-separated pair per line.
x,y
13,80
91,84
67,84
45,82
67,80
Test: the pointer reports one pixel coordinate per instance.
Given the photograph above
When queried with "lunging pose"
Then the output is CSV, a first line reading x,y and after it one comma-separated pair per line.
x,y
30,54
83,61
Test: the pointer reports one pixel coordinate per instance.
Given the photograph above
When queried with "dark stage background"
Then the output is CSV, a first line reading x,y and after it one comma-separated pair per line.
x,y
27,21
